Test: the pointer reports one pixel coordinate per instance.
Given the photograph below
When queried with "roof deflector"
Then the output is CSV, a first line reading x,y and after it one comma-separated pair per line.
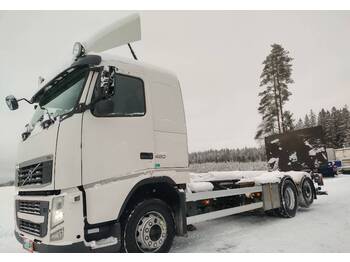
x,y
122,32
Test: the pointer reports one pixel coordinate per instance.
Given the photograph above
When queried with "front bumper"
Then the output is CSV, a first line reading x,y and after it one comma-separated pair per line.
x,y
345,169
33,217
78,247
77,235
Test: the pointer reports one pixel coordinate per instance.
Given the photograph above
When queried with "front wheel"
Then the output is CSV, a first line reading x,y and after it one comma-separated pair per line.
x,y
149,228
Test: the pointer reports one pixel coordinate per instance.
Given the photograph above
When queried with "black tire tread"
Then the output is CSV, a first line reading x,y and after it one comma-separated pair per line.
x,y
282,212
138,209
302,201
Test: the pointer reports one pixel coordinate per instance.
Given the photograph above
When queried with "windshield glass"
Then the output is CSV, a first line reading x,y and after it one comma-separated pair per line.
x,y
62,94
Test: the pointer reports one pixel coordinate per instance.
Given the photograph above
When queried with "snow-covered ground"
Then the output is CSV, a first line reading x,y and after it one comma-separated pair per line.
x,y
325,227
8,242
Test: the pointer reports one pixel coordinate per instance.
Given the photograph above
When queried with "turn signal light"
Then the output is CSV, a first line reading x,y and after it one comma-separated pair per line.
x,y
206,202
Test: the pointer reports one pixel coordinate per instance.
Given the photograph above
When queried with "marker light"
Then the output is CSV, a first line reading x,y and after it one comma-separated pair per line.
x,y
78,49
58,235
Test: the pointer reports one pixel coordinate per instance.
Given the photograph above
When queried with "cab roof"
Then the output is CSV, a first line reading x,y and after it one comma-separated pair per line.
x,y
104,59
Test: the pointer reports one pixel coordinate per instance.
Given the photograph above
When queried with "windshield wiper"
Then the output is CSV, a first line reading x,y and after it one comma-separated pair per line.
x,y
26,133
44,123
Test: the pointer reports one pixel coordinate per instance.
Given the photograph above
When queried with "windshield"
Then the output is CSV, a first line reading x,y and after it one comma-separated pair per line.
x,y
62,94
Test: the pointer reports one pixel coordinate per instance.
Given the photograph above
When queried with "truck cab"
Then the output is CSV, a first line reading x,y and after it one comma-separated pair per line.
x,y
105,132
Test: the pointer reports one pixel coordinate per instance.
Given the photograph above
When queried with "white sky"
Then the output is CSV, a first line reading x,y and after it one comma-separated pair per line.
x,y
216,55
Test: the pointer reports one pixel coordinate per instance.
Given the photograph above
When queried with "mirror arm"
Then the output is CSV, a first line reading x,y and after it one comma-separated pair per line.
x,y
29,102
83,107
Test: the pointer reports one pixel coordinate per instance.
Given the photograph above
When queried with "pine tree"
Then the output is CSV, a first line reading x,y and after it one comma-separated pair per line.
x,y
313,120
343,122
347,126
321,118
335,131
335,125
300,124
275,78
328,129
307,122
288,123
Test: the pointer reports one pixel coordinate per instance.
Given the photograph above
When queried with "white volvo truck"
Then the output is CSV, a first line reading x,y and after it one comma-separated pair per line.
x,y
102,165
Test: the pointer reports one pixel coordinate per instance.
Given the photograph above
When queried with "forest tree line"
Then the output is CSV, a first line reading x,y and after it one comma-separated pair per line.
x,y
335,125
336,130
247,154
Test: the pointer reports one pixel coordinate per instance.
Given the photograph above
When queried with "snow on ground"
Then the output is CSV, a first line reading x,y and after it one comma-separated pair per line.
x,y
325,227
8,242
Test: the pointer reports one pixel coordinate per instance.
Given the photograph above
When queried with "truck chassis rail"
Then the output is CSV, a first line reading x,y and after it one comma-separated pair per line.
x,y
225,212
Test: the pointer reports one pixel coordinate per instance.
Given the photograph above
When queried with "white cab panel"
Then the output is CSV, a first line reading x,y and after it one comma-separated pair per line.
x,y
111,194
170,135
68,157
111,146
38,144
168,110
171,149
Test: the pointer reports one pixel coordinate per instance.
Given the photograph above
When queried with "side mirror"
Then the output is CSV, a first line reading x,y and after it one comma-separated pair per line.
x,y
105,88
11,102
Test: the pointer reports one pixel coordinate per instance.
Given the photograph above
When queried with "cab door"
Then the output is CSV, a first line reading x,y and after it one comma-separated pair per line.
x,y
117,136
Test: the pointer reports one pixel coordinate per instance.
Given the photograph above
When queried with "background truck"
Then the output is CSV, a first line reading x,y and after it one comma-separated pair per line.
x,y
102,165
299,150
343,155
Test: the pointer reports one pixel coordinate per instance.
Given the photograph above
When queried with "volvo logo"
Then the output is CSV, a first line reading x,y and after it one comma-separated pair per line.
x,y
30,174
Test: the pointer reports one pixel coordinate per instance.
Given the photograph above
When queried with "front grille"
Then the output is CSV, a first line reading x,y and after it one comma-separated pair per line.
x,y
36,208
34,172
30,227
29,207
29,175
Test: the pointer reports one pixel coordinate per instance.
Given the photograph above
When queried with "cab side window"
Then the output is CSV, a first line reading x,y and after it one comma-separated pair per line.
x,y
128,99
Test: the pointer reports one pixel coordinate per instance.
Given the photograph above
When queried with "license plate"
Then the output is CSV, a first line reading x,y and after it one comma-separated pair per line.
x,y
28,245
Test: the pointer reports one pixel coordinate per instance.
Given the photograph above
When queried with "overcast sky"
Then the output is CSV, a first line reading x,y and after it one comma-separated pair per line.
x,y
216,55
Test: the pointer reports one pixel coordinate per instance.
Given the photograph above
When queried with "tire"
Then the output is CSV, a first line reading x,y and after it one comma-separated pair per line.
x,y
272,213
306,192
150,227
289,199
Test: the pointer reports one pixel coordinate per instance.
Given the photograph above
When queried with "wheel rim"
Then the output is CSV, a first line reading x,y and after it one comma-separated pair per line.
x,y
289,198
151,232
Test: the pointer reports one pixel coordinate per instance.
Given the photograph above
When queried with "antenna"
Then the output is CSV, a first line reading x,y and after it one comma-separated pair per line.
x,y
132,51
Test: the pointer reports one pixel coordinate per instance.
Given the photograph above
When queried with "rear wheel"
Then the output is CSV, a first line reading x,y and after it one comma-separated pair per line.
x,y
149,228
289,199
307,194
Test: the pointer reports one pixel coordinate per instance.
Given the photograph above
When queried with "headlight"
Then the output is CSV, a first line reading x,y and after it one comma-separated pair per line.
x,y
57,211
